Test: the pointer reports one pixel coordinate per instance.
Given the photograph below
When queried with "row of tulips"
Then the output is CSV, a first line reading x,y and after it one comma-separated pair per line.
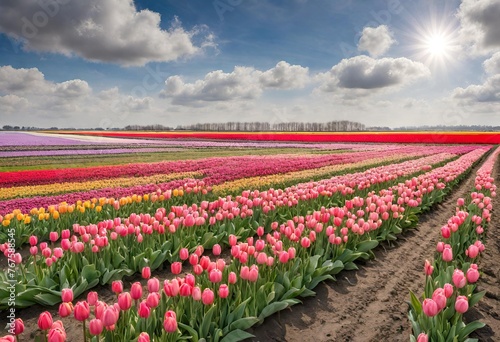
x,y
219,300
114,248
214,171
118,182
212,167
108,207
451,277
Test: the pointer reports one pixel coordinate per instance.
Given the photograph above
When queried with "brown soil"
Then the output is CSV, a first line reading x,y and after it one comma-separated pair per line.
x,y
369,304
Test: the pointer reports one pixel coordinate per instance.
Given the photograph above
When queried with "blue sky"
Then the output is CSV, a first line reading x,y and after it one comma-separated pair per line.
x,y
111,63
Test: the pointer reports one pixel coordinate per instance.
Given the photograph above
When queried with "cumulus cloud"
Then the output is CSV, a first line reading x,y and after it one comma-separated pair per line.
x,y
489,91
366,73
99,30
480,30
376,40
12,103
285,76
21,80
243,83
492,65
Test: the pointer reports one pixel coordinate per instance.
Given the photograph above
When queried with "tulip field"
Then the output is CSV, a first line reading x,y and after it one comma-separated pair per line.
x,y
116,237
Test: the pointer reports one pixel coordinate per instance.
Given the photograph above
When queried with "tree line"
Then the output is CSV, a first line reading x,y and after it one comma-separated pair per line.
x,y
256,126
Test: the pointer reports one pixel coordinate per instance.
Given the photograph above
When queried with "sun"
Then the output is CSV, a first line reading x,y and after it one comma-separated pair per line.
x,y
437,44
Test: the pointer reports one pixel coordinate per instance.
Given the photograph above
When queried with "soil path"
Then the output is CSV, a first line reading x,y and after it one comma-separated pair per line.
x,y
370,304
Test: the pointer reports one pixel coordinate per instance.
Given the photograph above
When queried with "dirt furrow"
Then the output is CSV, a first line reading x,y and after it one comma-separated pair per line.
x,y
369,304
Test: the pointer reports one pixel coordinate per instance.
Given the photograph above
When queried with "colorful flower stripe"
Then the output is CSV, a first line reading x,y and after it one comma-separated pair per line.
x,y
111,243
451,278
267,181
213,168
25,205
4,154
27,139
57,188
380,137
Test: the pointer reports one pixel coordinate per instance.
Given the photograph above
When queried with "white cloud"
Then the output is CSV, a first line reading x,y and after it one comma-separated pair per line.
x,y
243,83
489,91
12,103
21,80
285,76
376,40
366,73
492,65
480,30
99,30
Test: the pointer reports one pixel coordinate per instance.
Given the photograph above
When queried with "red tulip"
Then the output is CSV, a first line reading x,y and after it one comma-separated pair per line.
x,y
45,320
33,240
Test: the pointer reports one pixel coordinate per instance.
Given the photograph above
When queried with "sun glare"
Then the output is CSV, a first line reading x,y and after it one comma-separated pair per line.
x,y
437,44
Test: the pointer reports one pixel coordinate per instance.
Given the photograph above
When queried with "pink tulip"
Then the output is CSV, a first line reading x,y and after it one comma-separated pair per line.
x,y
34,250
92,298
422,337
472,252
144,311
232,240
136,291
184,254
193,259
472,275
305,242
439,297
65,309
253,273
153,299
67,295
54,236
428,268
124,300
117,286
45,320
146,272
459,279
81,311
430,307
176,267
440,247
196,293
109,316
216,249
95,327
447,254
232,278
207,297
215,276
18,326
33,240
153,285
56,335
461,304
223,291
170,322
143,337
448,290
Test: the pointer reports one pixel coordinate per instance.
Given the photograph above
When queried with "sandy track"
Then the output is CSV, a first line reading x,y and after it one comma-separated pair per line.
x,y
371,304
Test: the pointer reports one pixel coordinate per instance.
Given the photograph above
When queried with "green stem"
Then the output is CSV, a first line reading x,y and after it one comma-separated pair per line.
x,y
84,334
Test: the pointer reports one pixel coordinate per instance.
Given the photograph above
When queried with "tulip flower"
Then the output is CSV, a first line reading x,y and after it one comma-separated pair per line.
x,y
472,275
67,295
95,327
143,337
216,249
459,279
170,322
81,311
92,298
18,326
146,272
461,304
207,297
56,335
428,268
430,307
183,254
117,286
176,267
124,300
45,320
144,311
223,291
136,291
422,337
65,309
153,285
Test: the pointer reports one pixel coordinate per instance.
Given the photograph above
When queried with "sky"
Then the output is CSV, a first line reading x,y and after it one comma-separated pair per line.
x,y
112,63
